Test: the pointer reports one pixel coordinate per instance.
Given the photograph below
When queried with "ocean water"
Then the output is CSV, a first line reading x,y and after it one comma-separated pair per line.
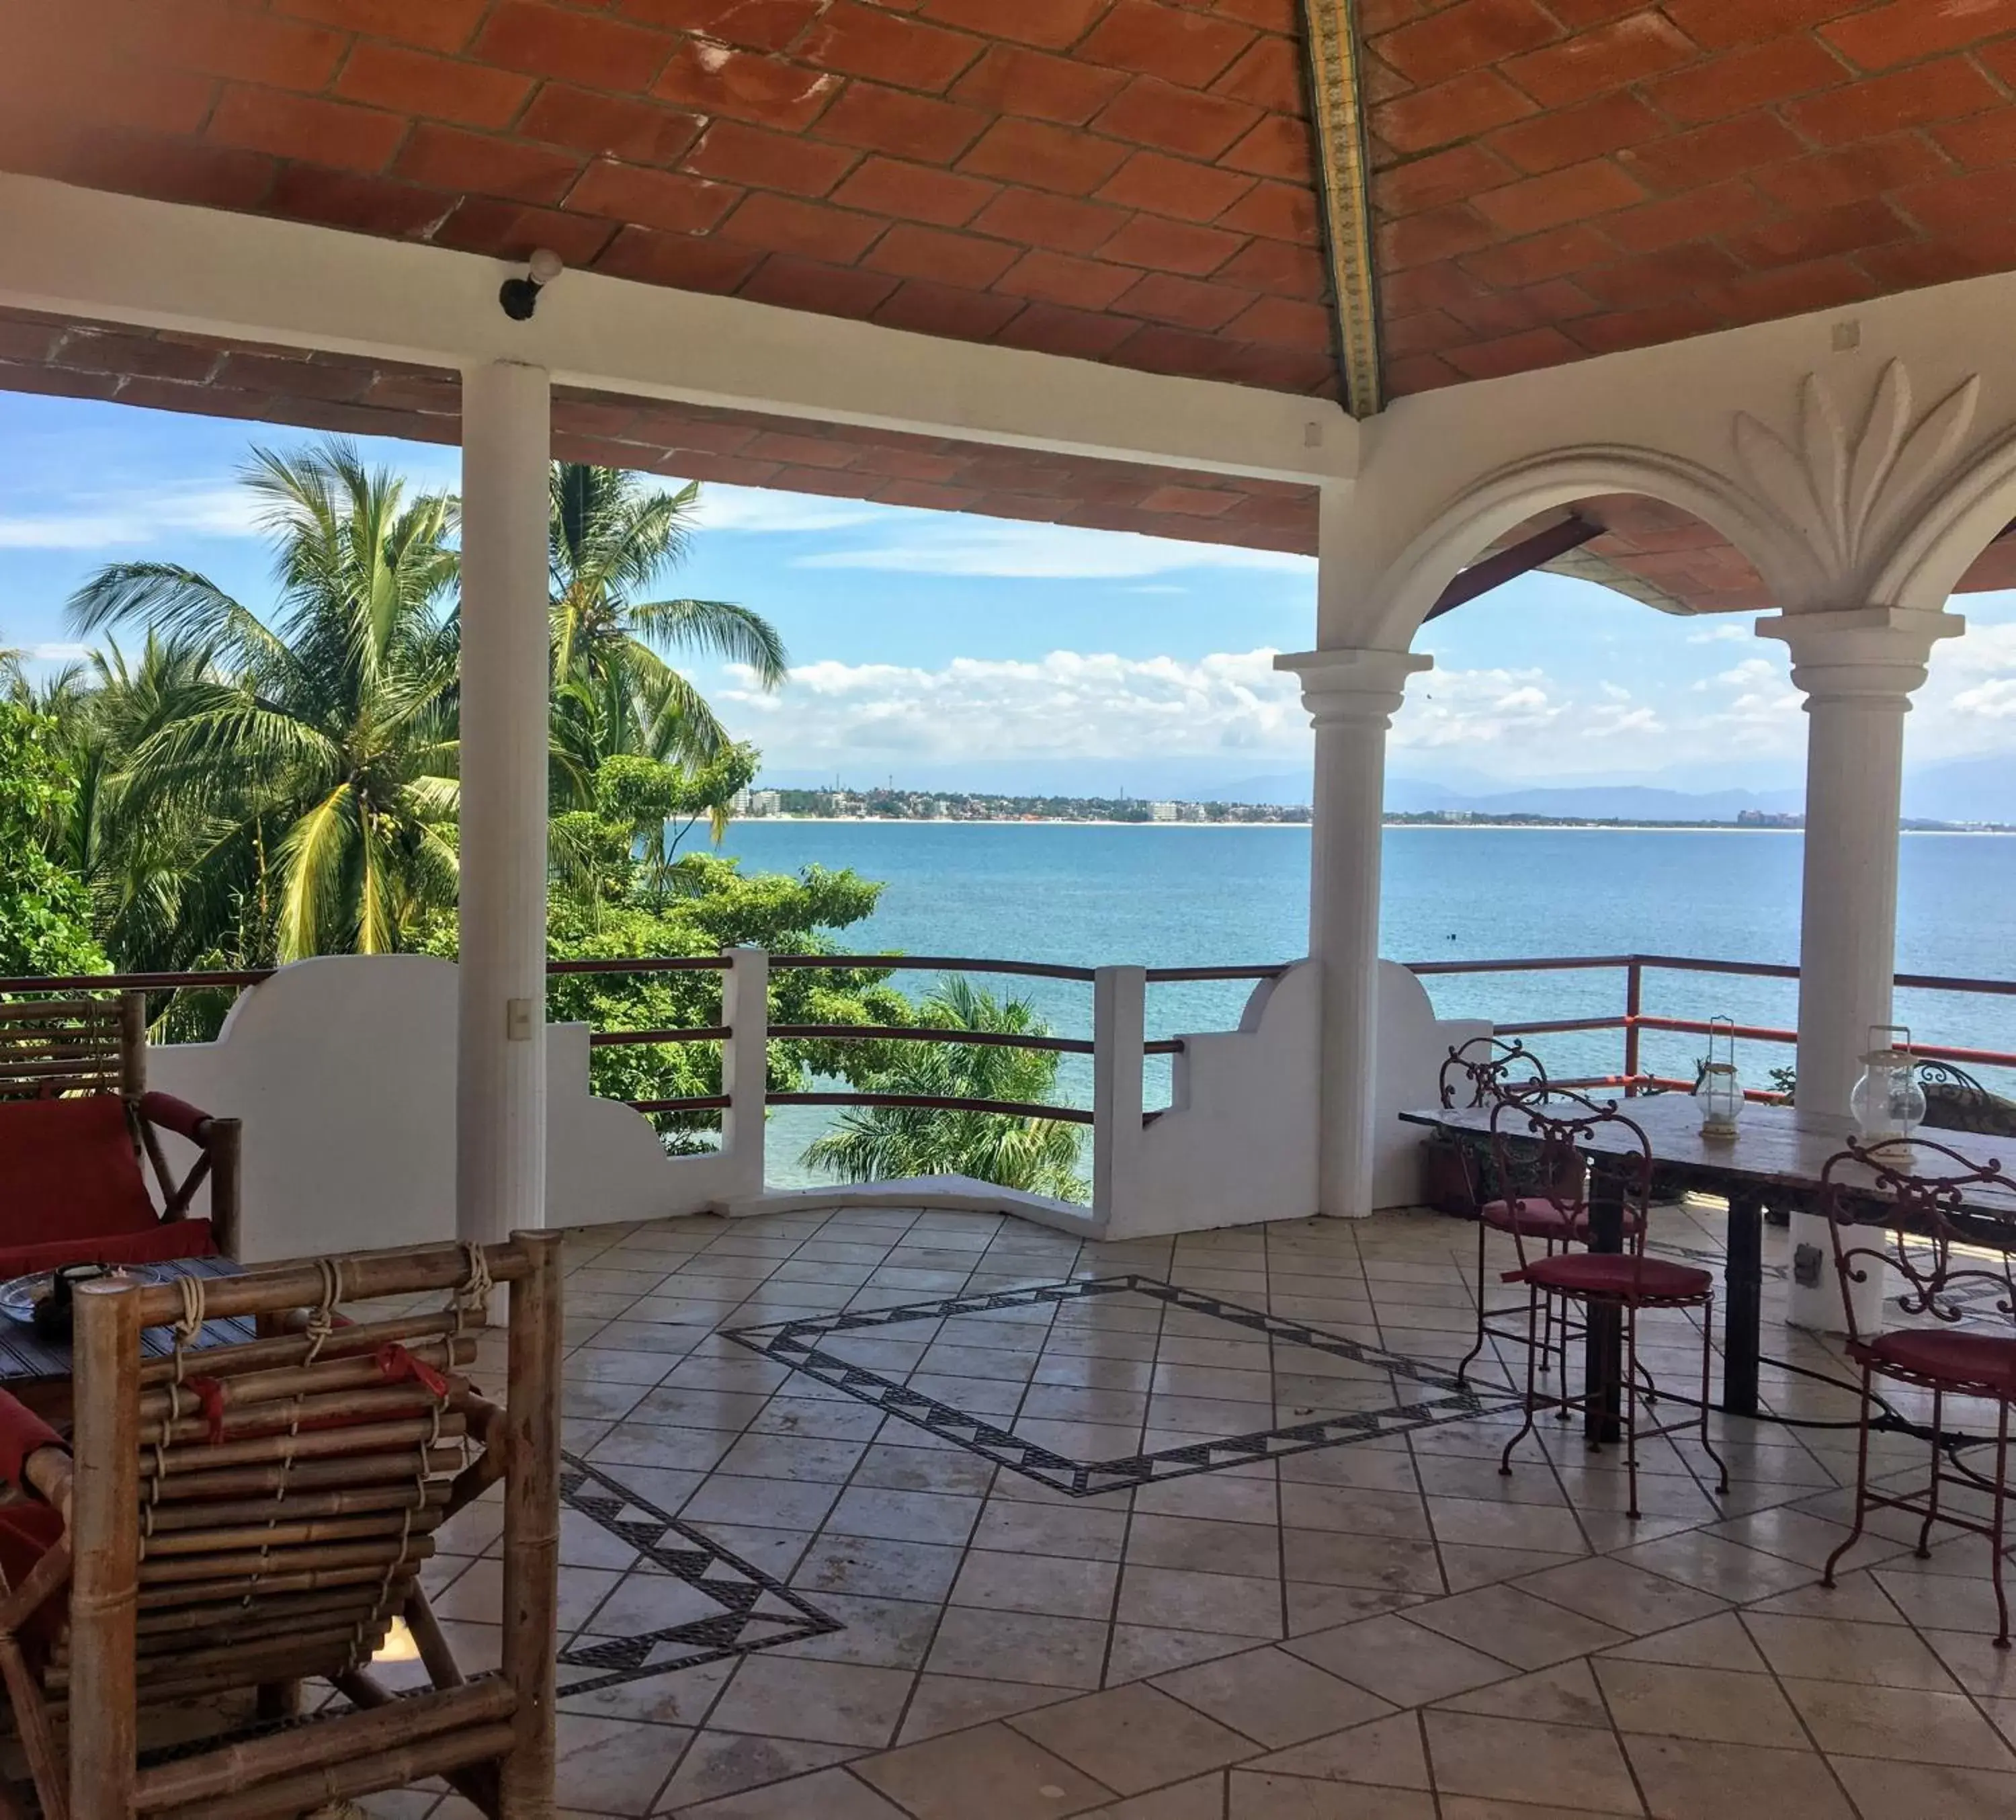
x,y
1183,895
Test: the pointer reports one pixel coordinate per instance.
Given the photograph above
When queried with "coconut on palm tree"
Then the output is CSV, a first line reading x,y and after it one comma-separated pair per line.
x,y
322,758
870,1144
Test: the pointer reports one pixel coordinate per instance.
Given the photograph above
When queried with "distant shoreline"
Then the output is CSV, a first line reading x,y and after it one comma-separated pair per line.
x,y
1440,827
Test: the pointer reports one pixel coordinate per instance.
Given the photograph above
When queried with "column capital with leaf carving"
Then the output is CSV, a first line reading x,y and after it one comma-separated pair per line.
x,y
1353,686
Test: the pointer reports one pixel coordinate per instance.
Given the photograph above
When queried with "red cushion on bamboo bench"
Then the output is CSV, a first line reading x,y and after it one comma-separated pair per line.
x,y
68,1168
160,1244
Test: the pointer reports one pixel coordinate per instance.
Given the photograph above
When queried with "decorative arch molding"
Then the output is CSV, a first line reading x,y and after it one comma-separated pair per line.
x,y
1469,523
1957,524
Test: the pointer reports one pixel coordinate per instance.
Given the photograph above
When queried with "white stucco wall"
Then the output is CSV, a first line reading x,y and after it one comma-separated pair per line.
x,y
1413,1043
342,1070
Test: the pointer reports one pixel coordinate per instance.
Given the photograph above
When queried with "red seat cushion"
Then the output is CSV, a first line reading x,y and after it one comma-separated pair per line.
x,y
161,1243
68,1168
1632,1224
1533,1217
28,1530
1982,1362
1618,1274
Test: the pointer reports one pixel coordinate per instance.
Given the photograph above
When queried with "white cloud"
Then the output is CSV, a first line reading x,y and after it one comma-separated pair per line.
x,y
95,520
1739,632
1066,704
57,653
946,544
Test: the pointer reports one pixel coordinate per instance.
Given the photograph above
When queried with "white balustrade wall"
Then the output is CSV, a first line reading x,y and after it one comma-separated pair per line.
x,y
342,1070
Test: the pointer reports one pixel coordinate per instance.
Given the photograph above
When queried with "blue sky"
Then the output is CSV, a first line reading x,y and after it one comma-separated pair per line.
x,y
947,649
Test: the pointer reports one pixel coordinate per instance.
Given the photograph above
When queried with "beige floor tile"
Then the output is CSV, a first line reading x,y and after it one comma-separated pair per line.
x,y
1139,1652
1202,1798
1974,1661
823,1703
1234,1605
1940,1601
1807,1539
951,1703
1037,1583
873,1567
1514,1760
1385,1563
1466,1568
1720,1641
880,1633
1133,1739
1710,1704
1507,1525
1910,1791
1683,1782
1017,1527
1821,1649
1359,1513
1514,1626
1388,1752
1398,1661
1565,1695
939,1780
1900,1723
1323,1608
1225,1497
832,1794
724,1763
1019,1646
904,1516
1726,1569
1854,1597
1254,1796
613,1766
1203,1546
1272,1697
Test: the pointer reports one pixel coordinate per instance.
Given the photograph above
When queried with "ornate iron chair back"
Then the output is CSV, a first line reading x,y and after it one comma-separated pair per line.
x,y
1541,1140
1488,1068
1919,1187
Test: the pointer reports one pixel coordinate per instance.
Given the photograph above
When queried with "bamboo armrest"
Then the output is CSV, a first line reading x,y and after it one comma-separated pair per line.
x,y
48,1473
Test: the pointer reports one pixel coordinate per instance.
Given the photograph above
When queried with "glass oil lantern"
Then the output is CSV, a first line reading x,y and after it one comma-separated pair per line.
x,y
1718,1093
1888,1101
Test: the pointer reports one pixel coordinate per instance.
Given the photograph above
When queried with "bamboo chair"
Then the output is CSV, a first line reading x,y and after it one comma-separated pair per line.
x,y
77,1122
242,1518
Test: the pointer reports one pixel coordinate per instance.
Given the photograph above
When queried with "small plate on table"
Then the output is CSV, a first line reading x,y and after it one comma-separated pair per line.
x,y
18,1297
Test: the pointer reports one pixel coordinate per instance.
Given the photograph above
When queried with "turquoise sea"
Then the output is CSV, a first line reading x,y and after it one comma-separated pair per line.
x,y
1181,895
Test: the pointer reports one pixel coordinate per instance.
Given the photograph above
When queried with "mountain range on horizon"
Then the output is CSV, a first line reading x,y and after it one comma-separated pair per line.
x,y
1960,790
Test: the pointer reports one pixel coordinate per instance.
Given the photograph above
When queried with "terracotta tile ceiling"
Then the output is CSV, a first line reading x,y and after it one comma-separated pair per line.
x,y
1127,181
1555,178
1120,180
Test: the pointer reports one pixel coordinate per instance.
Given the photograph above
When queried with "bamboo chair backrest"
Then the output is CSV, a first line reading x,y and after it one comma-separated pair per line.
x,y
270,1502
52,1047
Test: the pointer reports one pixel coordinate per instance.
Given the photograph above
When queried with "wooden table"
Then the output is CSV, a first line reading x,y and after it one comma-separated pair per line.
x,y
27,1360
1775,1159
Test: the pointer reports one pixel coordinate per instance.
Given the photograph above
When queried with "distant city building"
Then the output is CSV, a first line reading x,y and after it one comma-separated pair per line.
x,y
1162,811
757,802
1188,812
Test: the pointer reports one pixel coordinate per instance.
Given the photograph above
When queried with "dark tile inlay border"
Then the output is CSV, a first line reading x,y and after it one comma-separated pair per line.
x,y
757,1611
796,1343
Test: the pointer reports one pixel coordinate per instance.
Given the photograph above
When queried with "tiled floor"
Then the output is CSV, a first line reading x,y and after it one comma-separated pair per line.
x,y
859,1547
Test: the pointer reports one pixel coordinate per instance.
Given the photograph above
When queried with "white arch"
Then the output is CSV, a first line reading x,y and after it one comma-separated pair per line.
x,y
1489,507
1955,527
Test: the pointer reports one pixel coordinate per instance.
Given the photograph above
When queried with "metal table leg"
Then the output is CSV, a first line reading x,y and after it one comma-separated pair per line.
x,y
1744,1276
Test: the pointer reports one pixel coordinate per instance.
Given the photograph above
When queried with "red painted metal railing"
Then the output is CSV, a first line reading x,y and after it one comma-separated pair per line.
x,y
1634,1019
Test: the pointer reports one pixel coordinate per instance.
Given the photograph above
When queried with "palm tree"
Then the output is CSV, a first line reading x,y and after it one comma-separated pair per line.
x,y
612,536
873,1143
323,758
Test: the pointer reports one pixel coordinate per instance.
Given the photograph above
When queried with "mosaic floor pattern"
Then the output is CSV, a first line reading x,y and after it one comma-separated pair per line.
x,y
885,1515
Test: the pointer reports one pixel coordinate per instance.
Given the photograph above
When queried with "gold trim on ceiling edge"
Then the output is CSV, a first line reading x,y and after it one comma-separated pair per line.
x,y
1340,122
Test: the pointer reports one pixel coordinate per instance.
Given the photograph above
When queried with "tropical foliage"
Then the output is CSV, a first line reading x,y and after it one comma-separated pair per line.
x,y
45,911
881,1143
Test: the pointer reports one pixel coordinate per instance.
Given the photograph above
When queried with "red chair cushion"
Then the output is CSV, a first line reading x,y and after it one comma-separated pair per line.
x,y
21,1432
1618,1274
68,1170
1973,1361
1533,1216
28,1530
1632,1224
161,1243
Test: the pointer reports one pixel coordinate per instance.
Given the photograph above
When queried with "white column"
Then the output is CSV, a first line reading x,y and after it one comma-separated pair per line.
x,y
1858,669
1351,695
1119,1015
501,1102
745,1071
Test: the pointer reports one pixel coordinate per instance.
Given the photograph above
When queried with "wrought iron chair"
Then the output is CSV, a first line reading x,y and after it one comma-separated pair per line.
x,y
1917,1188
76,1124
1508,1186
1955,1101
1628,1281
229,1522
